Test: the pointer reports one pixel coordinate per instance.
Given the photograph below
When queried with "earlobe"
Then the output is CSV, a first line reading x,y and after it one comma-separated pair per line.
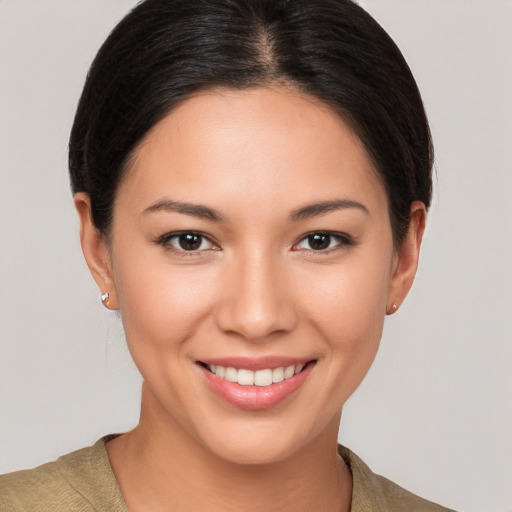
x,y
407,258
96,252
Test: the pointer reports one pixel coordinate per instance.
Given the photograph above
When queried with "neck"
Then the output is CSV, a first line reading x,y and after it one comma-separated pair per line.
x,y
159,466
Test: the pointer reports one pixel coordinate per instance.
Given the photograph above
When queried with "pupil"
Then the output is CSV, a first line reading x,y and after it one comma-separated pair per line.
x,y
319,241
190,242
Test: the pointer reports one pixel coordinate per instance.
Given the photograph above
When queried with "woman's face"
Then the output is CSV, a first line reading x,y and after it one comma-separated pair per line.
x,y
251,238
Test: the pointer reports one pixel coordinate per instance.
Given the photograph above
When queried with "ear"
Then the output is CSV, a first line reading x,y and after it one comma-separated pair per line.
x,y
406,258
96,251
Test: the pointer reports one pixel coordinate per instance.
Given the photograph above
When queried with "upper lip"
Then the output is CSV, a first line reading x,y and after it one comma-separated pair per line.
x,y
260,363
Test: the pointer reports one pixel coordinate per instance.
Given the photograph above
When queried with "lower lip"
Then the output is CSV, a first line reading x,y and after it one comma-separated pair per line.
x,y
256,397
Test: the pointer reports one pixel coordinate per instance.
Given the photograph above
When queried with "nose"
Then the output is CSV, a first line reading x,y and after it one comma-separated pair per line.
x,y
256,299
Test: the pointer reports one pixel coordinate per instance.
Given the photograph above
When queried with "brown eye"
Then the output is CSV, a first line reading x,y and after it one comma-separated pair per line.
x,y
190,241
319,241
323,241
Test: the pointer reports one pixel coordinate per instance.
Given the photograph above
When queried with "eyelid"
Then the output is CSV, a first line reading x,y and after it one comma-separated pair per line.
x,y
344,241
165,240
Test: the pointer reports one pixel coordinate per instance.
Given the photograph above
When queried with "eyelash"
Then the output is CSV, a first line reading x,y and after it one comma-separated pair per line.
x,y
166,242
342,241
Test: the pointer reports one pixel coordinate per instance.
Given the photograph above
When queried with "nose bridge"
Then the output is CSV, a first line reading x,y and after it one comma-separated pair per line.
x,y
256,301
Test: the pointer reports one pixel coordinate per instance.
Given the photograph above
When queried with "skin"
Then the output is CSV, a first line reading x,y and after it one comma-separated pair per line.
x,y
256,287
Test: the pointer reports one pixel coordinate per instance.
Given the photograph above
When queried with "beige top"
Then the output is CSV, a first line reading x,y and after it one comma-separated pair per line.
x,y
83,481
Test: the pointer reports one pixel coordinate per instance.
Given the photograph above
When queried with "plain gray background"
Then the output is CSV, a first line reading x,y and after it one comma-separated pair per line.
x,y
435,412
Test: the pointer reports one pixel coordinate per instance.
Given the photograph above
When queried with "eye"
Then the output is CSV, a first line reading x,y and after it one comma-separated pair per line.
x,y
323,241
186,241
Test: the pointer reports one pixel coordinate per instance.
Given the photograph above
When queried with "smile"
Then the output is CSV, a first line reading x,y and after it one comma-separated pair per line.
x,y
264,377
256,384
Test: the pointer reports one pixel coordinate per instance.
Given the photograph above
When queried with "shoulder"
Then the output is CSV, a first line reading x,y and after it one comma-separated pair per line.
x,y
82,480
373,492
29,490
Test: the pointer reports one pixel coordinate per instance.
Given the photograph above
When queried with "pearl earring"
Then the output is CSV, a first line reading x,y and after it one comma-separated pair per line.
x,y
393,309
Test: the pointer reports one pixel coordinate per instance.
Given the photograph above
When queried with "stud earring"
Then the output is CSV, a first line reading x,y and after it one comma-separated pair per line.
x,y
393,309
104,297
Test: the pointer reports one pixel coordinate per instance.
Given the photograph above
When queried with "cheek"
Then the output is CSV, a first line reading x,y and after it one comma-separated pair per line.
x,y
161,304
347,307
347,297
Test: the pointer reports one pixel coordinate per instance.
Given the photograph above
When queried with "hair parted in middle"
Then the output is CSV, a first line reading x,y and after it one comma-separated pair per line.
x,y
164,51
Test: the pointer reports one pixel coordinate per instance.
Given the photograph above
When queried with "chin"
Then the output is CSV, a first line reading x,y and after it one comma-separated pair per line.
x,y
256,451
265,440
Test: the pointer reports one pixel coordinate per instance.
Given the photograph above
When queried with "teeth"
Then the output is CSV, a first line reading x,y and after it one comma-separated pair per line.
x,y
231,374
289,371
264,377
277,374
245,377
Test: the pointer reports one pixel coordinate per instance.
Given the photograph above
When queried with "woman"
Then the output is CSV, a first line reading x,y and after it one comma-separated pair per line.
x,y
252,179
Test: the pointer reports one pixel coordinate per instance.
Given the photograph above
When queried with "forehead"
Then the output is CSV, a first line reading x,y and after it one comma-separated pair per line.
x,y
261,144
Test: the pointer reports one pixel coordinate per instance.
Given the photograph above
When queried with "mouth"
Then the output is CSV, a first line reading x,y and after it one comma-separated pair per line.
x,y
262,377
265,385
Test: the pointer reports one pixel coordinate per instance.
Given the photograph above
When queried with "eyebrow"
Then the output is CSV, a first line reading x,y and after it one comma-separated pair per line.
x,y
312,210
195,210
204,212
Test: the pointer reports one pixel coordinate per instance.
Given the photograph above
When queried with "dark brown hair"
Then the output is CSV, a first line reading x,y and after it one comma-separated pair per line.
x,y
165,50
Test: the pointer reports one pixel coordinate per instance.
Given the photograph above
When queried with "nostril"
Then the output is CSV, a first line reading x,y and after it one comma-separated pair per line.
x,y
255,303
255,324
